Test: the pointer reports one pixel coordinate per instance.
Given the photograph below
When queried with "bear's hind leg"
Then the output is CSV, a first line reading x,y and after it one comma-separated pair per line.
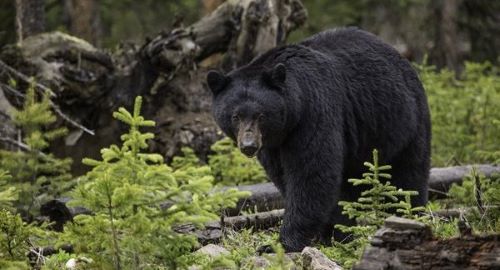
x,y
410,171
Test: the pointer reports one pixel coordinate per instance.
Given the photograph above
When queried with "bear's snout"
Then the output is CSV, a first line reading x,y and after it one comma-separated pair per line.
x,y
249,138
249,147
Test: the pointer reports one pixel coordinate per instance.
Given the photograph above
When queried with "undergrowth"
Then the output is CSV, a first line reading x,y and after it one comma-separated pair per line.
x,y
465,113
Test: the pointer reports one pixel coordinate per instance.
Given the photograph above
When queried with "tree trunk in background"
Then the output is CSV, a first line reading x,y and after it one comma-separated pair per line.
x,y
482,21
445,52
210,5
83,19
30,18
8,34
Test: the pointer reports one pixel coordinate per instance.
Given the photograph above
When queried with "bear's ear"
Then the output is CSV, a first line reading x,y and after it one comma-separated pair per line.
x,y
277,75
216,81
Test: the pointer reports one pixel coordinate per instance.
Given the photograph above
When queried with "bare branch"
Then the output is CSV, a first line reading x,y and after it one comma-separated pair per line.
x,y
16,143
26,78
69,120
12,90
56,108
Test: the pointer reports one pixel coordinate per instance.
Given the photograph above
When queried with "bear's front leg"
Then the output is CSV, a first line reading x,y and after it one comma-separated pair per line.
x,y
310,198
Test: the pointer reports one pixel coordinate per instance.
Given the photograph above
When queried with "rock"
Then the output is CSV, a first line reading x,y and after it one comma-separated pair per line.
x,y
265,261
212,250
71,263
77,263
313,259
259,262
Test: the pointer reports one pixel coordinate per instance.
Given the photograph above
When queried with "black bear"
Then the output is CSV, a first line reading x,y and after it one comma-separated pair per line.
x,y
312,113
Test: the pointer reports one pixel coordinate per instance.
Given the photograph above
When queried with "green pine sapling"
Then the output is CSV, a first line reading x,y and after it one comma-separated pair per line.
x,y
36,175
8,193
379,201
138,202
17,238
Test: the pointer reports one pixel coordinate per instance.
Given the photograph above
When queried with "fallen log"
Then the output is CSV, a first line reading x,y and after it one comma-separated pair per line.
x,y
259,221
265,197
213,231
457,212
441,179
270,219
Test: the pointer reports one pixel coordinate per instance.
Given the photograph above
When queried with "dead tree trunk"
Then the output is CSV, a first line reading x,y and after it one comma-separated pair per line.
x,y
30,18
83,19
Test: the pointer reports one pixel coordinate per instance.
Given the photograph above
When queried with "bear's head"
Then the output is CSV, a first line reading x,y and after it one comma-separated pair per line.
x,y
250,107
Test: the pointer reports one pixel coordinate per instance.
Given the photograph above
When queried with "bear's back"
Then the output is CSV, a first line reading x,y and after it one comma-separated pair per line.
x,y
349,43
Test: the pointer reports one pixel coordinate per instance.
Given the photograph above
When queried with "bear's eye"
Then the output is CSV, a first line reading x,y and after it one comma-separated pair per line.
x,y
235,118
261,117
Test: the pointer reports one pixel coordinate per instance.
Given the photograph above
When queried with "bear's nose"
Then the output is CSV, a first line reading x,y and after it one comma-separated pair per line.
x,y
249,147
249,150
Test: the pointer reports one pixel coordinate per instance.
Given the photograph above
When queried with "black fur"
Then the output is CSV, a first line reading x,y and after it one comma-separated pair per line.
x,y
341,94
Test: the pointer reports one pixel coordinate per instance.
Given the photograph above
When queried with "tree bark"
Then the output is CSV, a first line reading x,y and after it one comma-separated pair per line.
x,y
30,18
446,53
84,20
